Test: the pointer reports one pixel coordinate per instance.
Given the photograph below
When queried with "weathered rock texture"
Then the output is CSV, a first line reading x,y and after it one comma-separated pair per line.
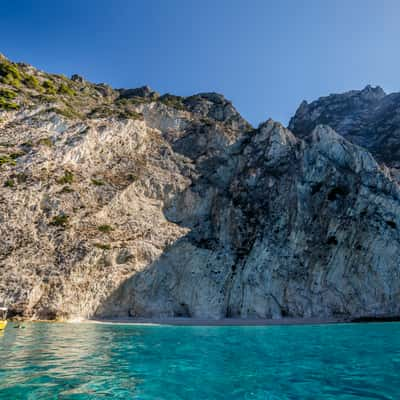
x,y
368,117
128,203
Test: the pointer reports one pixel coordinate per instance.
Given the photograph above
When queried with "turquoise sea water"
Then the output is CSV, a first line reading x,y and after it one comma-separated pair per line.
x,y
87,361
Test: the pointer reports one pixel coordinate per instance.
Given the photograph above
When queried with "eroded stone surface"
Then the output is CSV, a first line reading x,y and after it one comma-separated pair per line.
x,y
178,208
368,117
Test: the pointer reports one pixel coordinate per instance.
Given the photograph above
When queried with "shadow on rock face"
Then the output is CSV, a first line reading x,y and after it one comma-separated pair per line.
x,y
193,275
263,242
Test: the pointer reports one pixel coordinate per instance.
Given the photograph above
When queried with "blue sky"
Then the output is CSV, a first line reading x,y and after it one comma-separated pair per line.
x,y
265,56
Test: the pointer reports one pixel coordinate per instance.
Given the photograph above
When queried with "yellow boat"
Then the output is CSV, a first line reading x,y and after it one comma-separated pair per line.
x,y
3,318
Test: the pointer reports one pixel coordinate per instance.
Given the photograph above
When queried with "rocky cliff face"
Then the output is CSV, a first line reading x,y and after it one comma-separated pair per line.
x,y
368,117
128,203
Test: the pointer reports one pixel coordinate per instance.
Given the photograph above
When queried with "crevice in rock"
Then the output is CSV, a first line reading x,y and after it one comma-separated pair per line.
x,y
337,193
392,224
316,188
332,240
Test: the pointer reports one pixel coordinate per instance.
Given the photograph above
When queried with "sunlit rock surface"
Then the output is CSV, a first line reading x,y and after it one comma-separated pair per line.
x,y
127,203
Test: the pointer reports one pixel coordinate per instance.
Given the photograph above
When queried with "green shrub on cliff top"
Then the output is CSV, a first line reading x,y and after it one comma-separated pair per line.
x,y
10,75
8,105
7,94
130,114
32,82
65,89
173,101
49,87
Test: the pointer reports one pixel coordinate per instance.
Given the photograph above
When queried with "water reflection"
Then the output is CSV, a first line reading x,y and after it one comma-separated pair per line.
x,y
72,359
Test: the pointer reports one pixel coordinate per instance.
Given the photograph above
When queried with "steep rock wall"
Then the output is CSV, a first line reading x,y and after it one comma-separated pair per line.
x,y
128,203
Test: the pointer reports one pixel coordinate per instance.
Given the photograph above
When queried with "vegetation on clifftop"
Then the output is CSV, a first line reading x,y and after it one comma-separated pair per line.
x,y
173,101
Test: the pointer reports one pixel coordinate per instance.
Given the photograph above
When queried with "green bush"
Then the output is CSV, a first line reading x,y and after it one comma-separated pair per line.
x,y
5,159
10,74
9,183
67,178
9,80
46,142
67,112
32,82
49,87
102,112
102,246
173,101
97,182
7,105
65,89
60,220
14,156
7,94
45,98
66,189
105,228
136,100
129,114
7,68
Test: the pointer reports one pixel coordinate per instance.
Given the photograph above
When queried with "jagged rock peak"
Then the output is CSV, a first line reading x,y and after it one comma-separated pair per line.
x,y
339,101
373,92
213,97
274,129
77,78
367,117
145,92
216,106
